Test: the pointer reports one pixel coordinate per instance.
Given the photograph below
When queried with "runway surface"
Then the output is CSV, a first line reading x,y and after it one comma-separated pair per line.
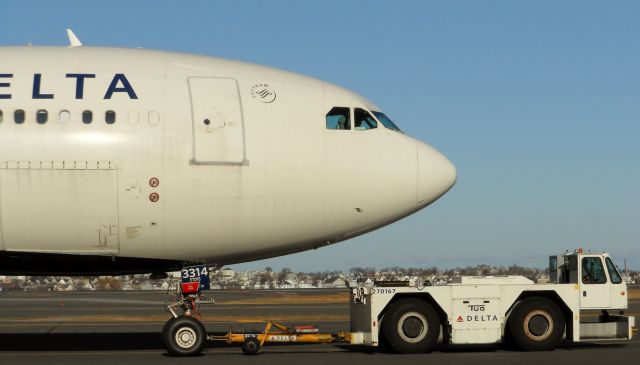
x,y
124,328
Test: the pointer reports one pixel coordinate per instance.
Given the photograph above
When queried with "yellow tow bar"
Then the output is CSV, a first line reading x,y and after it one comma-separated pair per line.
x,y
278,333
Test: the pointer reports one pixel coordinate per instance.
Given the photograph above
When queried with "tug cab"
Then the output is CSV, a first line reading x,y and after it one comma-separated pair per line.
x,y
599,281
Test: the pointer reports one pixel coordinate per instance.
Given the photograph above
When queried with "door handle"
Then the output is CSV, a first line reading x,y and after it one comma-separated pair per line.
x,y
584,293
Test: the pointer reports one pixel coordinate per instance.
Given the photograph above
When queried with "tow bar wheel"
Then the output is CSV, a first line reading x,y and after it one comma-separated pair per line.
x,y
411,326
251,346
184,336
536,324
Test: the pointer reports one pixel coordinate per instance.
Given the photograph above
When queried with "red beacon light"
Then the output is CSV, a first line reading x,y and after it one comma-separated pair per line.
x,y
579,250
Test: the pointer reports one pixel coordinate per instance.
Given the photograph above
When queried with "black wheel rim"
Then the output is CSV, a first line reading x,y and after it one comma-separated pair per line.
x,y
412,327
538,325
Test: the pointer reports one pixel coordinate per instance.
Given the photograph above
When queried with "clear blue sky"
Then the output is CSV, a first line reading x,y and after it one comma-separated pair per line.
x,y
536,103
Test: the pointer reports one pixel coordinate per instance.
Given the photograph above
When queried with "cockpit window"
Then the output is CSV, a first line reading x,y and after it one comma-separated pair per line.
x,y
364,120
388,123
339,118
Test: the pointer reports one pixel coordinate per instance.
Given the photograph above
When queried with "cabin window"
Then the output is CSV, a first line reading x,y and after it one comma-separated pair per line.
x,y
364,120
42,116
87,117
338,118
592,271
110,117
134,117
0,116
64,117
154,118
18,116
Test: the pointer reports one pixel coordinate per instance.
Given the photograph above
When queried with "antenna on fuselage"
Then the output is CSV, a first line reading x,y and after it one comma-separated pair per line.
x,y
73,40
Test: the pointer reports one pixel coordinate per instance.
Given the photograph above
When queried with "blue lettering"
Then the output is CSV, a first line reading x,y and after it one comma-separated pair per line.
x,y
37,78
80,83
5,84
126,87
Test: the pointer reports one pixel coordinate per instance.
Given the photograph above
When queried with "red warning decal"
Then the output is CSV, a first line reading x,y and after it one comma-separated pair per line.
x,y
154,197
460,319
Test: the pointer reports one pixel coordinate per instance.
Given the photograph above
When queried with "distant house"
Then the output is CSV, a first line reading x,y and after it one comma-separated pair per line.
x,y
286,285
336,282
305,285
227,274
292,277
257,285
542,279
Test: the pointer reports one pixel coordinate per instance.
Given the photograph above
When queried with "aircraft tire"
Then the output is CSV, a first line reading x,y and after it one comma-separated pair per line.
x,y
184,336
536,324
411,326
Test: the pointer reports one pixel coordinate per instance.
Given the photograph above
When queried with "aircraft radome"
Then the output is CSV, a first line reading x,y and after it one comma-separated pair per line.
x,y
120,161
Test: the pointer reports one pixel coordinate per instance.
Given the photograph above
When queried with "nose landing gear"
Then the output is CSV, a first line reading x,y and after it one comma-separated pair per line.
x,y
184,334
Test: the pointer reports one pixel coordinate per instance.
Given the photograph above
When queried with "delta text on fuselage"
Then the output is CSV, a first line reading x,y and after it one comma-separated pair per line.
x,y
119,84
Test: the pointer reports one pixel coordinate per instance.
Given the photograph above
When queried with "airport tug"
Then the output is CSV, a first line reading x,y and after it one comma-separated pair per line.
x,y
469,310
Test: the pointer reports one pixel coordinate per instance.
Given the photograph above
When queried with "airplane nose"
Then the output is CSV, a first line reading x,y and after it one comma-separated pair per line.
x,y
436,174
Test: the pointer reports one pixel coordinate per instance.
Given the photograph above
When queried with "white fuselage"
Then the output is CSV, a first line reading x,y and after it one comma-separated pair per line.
x,y
244,163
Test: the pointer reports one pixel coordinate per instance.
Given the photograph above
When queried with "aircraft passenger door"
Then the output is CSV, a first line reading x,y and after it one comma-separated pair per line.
x,y
218,126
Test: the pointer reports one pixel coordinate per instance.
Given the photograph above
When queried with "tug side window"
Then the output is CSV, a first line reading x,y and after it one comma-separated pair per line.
x,y
364,120
338,118
613,272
